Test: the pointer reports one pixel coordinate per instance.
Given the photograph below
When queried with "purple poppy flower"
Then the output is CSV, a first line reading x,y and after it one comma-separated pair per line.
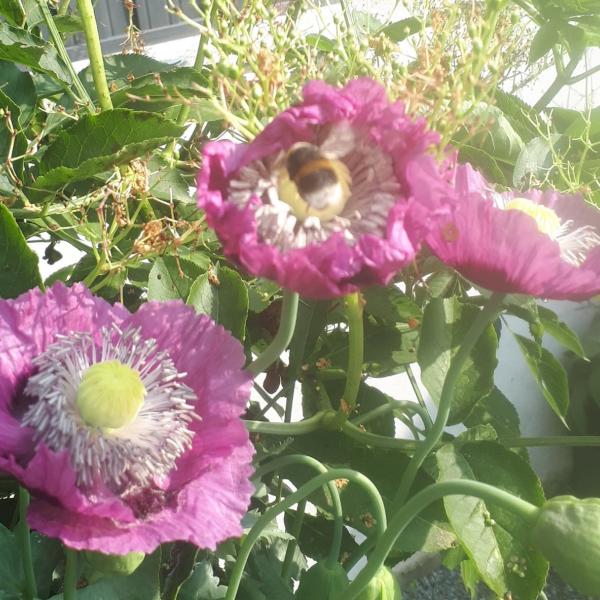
x,y
320,201
540,243
124,427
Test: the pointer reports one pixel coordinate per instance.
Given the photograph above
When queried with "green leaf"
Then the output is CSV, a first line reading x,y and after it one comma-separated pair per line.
x,y
11,570
549,374
561,332
320,42
46,553
18,263
222,295
498,412
17,45
402,29
484,162
68,24
545,37
390,305
13,12
365,22
445,323
517,112
142,584
202,584
493,538
537,157
171,278
167,183
100,142
18,86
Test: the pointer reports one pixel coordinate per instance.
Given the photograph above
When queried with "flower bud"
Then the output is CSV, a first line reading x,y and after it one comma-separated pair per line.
x,y
323,581
384,586
567,533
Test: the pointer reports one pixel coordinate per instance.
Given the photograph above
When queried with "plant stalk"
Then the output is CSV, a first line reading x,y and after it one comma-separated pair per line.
x,y
70,579
92,40
25,542
354,312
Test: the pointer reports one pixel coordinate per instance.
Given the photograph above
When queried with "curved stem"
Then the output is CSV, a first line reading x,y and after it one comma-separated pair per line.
x,y
379,441
561,80
303,492
293,544
313,463
425,416
298,428
70,579
420,501
354,312
92,40
25,542
289,311
484,318
62,52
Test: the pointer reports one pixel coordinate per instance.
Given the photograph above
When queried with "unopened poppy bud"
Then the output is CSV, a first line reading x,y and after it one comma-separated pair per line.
x,y
567,533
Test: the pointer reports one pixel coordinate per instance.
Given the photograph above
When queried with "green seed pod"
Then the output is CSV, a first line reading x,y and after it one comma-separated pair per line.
x,y
567,533
384,586
323,581
113,564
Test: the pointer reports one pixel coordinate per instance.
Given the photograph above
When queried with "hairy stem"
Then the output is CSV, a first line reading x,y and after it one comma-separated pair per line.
x,y
287,324
92,40
25,543
484,318
462,487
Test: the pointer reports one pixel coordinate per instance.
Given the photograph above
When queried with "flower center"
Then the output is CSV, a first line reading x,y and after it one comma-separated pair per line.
x,y
110,395
119,408
546,219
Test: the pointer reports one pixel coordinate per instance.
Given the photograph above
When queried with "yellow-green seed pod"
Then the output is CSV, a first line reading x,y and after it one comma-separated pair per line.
x,y
113,564
567,533
323,581
384,586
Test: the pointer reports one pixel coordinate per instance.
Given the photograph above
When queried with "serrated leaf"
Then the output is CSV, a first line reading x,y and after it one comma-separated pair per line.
x,y
402,29
18,263
549,374
223,296
18,86
537,157
517,112
202,584
445,323
545,37
494,538
20,46
560,331
100,142
171,278
390,305
167,183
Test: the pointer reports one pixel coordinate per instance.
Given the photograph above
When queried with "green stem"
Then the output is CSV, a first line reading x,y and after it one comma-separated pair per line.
x,y
25,542
432,493
63,7
379,441
62,52
292,544
419,396
313,463
70,579
289,312
254,534
298,428
92,40
560,80
356,341
484,318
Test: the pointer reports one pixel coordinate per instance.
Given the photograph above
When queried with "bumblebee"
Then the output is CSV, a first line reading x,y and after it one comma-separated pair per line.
x,y
312,179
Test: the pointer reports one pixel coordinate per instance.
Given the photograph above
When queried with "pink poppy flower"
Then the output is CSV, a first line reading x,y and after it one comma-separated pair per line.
x,y
320,201
124,427
540,243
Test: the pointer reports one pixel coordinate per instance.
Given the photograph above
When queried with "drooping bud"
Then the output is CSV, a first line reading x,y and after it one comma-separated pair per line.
x,y
384,586
567,533
323,581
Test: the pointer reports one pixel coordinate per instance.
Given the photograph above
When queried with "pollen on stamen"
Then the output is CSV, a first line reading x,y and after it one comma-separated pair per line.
x,y
123,458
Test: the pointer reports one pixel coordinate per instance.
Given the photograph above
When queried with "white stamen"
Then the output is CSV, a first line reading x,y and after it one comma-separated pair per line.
x,y
134,455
